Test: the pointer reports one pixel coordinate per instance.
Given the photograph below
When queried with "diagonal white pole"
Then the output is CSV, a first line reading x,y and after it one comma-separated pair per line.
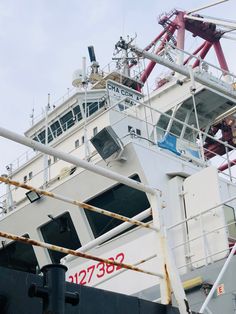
x,y
75,160
207,6
204,306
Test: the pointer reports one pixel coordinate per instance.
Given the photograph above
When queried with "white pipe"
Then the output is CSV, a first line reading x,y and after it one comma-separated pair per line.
x,y
184,71
75,161
218,279
225,24
218,18
199,59
106,236
45,157
229,37
193,90
207,6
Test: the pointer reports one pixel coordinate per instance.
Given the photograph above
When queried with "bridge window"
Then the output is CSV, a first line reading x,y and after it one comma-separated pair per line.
x,y
41,136
67,120
36,139
19,256
56,128
77,113
50,137
60,231
120,199
93,107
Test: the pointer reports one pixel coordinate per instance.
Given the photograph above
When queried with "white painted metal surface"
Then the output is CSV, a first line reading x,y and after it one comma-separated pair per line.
x,y
187,189
201,191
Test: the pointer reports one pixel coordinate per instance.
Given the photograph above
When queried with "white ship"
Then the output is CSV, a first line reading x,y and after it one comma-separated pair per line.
x,y
116,175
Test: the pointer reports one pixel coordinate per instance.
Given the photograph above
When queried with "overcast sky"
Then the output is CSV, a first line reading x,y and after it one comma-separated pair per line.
x,y
43,41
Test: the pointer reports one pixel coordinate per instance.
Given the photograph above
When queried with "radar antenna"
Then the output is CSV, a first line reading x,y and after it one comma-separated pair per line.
x,y
94,76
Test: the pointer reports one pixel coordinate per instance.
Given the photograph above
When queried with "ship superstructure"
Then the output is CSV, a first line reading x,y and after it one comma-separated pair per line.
x,y
146,161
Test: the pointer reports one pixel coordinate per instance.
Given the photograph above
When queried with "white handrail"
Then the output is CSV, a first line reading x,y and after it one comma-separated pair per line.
x,y
203,212
221,274
107,236
75,161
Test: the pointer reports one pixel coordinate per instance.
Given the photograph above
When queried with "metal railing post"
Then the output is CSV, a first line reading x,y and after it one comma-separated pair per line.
x,y
171,280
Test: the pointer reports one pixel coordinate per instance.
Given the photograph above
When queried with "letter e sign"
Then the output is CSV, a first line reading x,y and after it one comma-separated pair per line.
x,y
220,289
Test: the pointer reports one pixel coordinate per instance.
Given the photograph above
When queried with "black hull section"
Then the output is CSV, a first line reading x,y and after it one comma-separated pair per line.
x,y
15,299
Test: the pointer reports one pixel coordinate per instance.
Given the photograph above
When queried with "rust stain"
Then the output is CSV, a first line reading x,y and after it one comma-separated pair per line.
x,y
167,278
77,203
73,252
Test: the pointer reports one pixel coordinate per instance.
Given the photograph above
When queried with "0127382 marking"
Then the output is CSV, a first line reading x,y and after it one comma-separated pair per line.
x,y
86,275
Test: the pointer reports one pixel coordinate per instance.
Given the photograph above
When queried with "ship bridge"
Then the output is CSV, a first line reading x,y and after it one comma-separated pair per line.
x,y
209,106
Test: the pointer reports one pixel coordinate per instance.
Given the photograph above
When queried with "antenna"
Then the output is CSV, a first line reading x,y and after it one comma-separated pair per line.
x,y
91,54
84,76
49,98
32,117
94,76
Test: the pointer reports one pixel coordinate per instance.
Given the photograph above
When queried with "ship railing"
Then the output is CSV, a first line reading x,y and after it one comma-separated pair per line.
x,y
217,281
214,72
229,227
136,220
70,92
22,159
37,178
154,134
165,264
167,275
114,66
53,134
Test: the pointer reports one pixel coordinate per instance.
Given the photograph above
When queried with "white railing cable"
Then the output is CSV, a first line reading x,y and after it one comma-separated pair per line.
x,y
203,212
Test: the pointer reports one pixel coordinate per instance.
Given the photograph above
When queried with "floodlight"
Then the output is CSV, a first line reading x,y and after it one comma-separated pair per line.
x,y
107,143
33,196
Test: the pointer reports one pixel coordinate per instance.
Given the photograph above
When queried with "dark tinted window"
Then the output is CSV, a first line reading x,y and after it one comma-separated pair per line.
x,y
77,112
56,128
19,256
120,199
67,120
41,137
36,139
102,104
50,137
60,231
93,107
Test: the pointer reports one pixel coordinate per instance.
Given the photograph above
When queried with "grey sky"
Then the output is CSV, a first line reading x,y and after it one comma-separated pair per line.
x,y
42,43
